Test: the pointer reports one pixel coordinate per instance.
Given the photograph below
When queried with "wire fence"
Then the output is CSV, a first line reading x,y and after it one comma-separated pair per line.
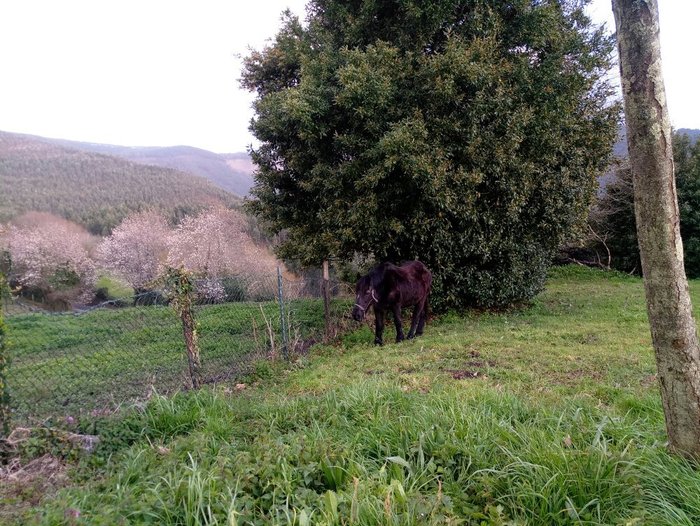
x,y
88,362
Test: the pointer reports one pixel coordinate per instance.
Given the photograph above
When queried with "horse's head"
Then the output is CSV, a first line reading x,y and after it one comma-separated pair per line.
x,y
365,297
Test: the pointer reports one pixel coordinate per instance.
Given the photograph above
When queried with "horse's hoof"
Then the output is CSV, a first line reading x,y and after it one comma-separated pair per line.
x,y
378,342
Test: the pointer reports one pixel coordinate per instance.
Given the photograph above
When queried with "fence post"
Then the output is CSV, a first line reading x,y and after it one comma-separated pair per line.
x,y
189,331
180,287
5,412
283,324
326,291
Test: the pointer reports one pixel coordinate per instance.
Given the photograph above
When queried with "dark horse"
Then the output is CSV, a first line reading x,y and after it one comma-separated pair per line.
x,y
390,287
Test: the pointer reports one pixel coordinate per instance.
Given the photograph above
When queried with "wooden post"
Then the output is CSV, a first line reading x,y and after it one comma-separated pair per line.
x,y
179,287
5,411
189,330
283,321
326,291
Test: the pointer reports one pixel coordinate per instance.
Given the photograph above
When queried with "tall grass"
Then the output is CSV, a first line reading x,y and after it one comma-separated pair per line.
x,y
376,454
562,426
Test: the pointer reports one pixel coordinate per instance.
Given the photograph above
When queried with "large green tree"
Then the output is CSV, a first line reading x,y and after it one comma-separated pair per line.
x,y
464,133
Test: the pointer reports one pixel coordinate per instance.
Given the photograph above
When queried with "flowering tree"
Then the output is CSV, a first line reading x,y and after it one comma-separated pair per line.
x,y
49,253
136,248
215,244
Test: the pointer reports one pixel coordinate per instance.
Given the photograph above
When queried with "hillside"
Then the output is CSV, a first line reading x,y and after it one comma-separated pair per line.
x,y
620,147
92,189
232,172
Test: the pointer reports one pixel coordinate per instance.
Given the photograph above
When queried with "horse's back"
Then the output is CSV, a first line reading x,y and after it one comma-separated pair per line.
x,y
419,272
415,281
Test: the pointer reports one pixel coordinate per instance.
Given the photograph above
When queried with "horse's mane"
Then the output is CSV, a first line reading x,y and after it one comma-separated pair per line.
x,y
377,275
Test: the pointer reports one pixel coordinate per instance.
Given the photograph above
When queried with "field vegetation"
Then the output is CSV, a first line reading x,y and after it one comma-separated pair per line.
x,y
69,365
545,415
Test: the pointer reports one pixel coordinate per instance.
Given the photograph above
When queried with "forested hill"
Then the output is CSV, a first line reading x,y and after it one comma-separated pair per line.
x,y
92,189
230,171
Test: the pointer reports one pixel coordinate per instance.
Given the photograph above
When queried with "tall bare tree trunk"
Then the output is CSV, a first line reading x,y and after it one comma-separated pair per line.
x,y
673,329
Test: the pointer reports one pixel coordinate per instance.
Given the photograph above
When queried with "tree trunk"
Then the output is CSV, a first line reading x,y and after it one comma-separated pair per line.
x,y
673,329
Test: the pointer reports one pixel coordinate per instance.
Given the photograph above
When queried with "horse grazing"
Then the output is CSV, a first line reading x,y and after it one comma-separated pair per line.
x,y
390,287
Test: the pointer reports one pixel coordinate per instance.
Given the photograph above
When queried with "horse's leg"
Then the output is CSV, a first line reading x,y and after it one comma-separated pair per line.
x,y
397,321
378,325
423,316
417,310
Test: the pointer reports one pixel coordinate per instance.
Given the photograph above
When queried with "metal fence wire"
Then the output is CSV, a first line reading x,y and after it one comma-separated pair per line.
x,y
70,364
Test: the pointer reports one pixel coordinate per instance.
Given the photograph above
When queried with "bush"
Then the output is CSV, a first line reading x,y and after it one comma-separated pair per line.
x,y
234,289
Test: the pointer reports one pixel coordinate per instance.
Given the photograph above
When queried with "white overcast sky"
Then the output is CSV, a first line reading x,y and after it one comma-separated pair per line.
x,y
165,72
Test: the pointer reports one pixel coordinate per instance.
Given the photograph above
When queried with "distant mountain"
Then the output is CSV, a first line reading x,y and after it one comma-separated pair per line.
x,y
93,189
230,171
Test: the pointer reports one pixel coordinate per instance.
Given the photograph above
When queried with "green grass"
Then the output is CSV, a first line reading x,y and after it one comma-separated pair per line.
x,y
69,364
115,288
549,415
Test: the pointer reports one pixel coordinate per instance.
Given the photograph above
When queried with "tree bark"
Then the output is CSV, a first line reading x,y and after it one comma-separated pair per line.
x,y
673,330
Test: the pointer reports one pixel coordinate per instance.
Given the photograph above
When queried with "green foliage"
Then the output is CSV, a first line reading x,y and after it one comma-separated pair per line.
x,y
96,191
467,135
686,156
179,288
612,217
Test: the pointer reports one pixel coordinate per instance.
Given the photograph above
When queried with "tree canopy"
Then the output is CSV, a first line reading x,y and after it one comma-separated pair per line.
x,y
466,134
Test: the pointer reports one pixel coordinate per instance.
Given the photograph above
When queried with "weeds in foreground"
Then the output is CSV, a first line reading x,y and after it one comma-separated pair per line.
x,y
377,454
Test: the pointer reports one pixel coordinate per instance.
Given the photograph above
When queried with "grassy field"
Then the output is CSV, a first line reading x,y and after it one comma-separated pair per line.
x,y
549,415
71,364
